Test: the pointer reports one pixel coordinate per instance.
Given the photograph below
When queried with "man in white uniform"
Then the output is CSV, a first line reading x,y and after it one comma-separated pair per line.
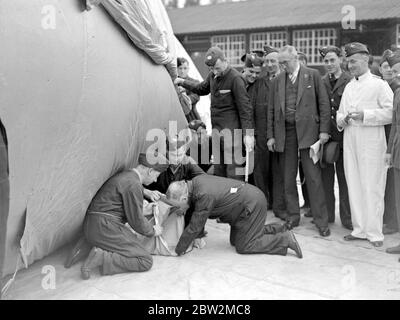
x,y
366,106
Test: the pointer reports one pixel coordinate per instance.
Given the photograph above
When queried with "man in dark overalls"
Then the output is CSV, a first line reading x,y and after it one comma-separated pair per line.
x,y
241,205
115,247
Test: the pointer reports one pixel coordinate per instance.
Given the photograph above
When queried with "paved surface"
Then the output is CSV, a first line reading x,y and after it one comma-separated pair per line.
x,y
331,269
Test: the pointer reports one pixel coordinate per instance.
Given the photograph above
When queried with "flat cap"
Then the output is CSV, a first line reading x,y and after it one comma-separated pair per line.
x,y
325,50
393,59
258,53
161,165
268,49
355,47
212,55
252,60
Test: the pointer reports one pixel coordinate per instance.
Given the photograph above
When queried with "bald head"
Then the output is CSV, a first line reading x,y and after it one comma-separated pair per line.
x,y
178,191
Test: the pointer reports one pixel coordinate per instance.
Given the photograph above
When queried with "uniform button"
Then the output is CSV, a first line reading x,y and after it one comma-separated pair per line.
x,y
333,118
332,100
333,109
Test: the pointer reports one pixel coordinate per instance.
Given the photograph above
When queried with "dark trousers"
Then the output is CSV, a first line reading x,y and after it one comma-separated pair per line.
x,y
123,251
313,177
278,186
328,178
249,234
396,176
229,162
262,171
390,216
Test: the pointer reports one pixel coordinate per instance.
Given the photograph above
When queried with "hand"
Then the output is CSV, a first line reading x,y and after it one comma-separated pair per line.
x,y
152,196
249,142
323,137
158,230
271,145
388,160
178,81
356,115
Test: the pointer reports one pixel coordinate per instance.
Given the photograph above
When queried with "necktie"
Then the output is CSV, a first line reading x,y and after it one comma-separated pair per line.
x,y
292,77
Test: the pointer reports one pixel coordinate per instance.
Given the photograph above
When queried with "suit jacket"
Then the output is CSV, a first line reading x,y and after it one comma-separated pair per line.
x,y
312,109
335,96
230,103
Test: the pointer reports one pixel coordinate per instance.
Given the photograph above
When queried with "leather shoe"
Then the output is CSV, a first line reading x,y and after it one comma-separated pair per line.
x,y
282,216
350,237
95,259
324,232
393,250
294,245
79,252
377,244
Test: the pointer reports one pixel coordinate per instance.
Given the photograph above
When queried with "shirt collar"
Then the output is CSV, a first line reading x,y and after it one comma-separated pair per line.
x,y
139,175
364,76
296,71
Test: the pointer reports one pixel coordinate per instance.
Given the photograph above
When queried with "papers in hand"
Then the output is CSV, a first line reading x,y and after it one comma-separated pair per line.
x,y
315,150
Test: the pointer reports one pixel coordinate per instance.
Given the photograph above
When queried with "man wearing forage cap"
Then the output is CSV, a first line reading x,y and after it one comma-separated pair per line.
x,y
120,200
366,107
230,110
335,82
393,151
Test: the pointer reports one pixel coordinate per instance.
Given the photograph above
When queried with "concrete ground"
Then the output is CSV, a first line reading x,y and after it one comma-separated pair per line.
x,y
331,269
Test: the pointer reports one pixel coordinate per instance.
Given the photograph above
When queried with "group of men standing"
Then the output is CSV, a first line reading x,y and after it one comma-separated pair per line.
x,y
291,108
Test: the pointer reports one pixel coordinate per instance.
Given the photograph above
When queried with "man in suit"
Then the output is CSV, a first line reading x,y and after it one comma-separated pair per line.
x,y
299,116
230,111
393,151
273,169
335,81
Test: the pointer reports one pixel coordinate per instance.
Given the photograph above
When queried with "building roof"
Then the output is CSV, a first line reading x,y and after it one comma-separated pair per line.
x,y
259,14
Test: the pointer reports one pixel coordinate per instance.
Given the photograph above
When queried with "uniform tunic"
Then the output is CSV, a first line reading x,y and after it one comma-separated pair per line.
x,y
230,109
118,201
364,147
335,89
241,205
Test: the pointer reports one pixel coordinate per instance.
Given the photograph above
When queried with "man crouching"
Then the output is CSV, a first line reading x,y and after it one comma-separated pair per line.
x,y
115,248
241,205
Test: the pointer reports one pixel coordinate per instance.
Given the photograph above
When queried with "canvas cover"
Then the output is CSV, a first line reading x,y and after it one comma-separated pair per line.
x,y
77,99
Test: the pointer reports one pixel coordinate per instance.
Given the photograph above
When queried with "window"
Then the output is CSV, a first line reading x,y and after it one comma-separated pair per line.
x,y
232,45
273,39
398,35
308,42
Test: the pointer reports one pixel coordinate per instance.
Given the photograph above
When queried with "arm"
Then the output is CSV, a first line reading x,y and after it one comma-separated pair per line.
x,y
194,169
132,200
245,109
382,115
200,88
270,111
393,130
341,114
203,208
324,106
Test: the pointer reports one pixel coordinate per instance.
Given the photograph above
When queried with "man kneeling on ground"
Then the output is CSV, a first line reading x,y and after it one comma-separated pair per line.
x,y
241,205
115,248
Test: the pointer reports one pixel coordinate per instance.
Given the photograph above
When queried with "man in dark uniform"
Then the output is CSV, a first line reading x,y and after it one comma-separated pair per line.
x,y
230,109
299,116
251,73
335,81
115,248
241,205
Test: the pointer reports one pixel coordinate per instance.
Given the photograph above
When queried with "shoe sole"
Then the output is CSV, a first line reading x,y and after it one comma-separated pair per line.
x,y
299,253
